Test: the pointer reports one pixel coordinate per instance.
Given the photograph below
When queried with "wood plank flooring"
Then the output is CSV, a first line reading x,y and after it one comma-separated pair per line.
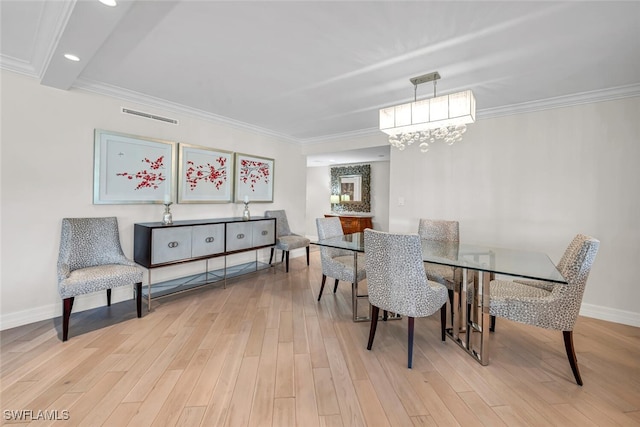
x,y
264,352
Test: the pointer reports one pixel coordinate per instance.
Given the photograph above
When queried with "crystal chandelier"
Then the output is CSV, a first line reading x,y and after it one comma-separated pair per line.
x,y
425,121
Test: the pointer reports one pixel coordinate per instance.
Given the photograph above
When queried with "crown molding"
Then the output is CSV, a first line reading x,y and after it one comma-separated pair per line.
x,y
608,94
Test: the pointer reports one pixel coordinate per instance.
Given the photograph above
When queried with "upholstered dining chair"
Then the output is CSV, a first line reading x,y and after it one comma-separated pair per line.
x,y
337,263
91,260
441,231
547,305
397,282
286,240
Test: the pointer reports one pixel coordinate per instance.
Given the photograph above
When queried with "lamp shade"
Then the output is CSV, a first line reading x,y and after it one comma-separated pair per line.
x,y
434,113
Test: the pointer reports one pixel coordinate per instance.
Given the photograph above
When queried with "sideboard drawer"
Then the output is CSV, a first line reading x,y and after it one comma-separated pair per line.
x,y
264,233
170,244
239,236
207,240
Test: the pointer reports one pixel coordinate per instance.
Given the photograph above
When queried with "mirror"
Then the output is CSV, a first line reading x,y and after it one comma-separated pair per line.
x,y
350,188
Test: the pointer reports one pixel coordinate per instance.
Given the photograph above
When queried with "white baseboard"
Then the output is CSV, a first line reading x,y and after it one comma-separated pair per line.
x,y
51,311
610,314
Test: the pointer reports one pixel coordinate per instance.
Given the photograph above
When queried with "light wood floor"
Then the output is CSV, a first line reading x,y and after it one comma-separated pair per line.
x,y
263,352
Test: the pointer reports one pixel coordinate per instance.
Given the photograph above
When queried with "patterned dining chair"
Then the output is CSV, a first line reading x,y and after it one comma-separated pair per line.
x,y
286,240
91,260
546,305
397,282
441,231
337,263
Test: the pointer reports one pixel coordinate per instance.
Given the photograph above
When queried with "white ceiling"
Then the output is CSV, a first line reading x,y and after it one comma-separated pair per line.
x,y
310,71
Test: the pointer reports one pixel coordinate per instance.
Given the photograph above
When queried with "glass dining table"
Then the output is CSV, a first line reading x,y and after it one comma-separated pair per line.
x,y
478,264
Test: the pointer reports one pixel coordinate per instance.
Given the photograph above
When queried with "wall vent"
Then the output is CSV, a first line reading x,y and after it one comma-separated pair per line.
x,y
149,116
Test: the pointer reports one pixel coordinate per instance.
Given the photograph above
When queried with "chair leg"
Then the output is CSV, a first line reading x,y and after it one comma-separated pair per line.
x,y
139,298
410,343
571,355
492,324
67,305
443,320
324,279
282,259
287,269
271,256
374,324
109,297
385,315
335,286
307,255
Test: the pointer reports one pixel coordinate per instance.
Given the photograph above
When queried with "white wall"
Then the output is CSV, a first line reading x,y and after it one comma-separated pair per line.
x,y
47,174
533,181
319,191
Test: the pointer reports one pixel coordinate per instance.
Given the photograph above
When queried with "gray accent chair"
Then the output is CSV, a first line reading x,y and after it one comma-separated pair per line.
x,y
547,305
337,263
397,282
91,260
441,231
286,240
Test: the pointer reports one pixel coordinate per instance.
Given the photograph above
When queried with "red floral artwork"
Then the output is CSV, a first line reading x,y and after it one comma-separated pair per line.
x,y
207,173
251,172
148,178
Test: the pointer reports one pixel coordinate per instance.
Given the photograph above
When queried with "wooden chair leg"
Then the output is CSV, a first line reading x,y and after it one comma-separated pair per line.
x,y
335,286
271,256
492,324
67,305
571,355
109,297
324,279
410,343
307,255
443,320
287,269
374,324
385,315
139,298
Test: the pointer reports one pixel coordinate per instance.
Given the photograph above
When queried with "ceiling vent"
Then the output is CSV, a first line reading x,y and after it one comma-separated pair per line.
x,y
149,116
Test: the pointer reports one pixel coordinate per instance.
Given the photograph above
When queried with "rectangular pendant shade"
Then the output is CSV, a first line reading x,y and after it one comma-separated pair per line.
x,y
447,110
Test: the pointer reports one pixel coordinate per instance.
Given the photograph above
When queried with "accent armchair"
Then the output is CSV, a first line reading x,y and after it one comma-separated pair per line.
x,y
91,260
286,240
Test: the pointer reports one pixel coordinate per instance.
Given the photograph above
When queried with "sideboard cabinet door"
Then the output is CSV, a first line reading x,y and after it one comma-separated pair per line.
x,y
239,236
207,240
170,244
264,233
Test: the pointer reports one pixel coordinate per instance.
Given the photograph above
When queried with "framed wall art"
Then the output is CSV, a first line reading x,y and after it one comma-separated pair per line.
x,y
132,169
205,175
254,178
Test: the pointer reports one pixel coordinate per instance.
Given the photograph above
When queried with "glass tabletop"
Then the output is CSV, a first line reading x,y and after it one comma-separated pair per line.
x,y
512,262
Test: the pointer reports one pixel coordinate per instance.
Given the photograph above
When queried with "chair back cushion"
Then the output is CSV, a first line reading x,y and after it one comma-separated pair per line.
x,y
282,225
441,230
575,268
396,278
89,242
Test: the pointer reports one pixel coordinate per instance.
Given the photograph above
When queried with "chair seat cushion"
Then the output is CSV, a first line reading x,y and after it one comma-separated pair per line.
x,y
97,278
548,286
341,268
292,241
440,273
521,303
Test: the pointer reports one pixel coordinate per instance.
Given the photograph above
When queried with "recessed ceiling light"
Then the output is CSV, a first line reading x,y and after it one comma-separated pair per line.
x,y
110,3
71,57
